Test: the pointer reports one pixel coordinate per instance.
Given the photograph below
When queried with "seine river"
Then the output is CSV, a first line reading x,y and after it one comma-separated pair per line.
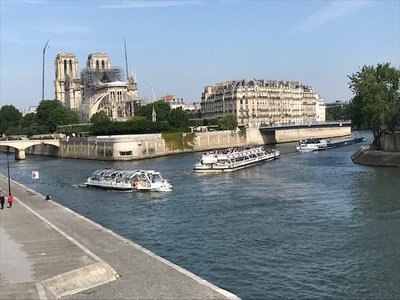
x,y
304,226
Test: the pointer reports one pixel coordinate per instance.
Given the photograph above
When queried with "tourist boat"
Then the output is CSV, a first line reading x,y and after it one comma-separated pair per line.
x,y
316,144
234,158
128,180
312,144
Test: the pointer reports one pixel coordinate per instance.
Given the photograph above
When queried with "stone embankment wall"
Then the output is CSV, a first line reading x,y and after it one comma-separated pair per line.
x,y
44,150
291,135
388,157
381,158
141,146
391,142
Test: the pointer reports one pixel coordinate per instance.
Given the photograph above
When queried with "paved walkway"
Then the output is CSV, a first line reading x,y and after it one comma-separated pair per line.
x,y
49,252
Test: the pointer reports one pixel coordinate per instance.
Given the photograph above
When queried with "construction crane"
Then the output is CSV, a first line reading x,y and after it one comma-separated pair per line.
x,y
154,95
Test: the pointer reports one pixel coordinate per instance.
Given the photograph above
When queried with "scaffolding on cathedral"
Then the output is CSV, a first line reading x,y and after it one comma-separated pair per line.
x,y
94,77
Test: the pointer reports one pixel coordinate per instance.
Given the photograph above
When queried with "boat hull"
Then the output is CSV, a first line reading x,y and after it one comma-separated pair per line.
x,y
229,169
347,142
108,187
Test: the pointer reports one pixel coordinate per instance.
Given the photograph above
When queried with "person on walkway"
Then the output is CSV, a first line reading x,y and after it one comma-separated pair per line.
x,y
2,200
10,200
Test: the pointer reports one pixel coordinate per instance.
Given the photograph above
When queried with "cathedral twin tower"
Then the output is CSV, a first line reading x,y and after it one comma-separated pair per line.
x,y
100,87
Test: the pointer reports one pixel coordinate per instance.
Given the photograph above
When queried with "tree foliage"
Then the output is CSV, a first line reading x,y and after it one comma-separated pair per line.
x,y
51,116
108,127
376,103
99,117
337,112
29,125
178,118
161,108
51,113
229,122
9,117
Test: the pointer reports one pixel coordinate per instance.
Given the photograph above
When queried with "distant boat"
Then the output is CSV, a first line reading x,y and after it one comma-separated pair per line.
x,y
232,159
128,180
317,144
312,144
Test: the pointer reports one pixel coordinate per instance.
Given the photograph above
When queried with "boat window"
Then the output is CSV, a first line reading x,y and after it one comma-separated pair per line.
x,y
157,178
125,153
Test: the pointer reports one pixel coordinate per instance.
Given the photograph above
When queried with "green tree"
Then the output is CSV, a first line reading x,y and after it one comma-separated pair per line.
x,y
29,124
376,104
229,122
51,113
178,118
99,116
161,108
137,119
9,117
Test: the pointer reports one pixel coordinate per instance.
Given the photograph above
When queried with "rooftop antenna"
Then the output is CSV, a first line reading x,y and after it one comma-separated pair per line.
x,y
126,61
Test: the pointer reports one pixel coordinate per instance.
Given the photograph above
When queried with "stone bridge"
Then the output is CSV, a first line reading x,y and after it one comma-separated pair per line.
x,y
19,146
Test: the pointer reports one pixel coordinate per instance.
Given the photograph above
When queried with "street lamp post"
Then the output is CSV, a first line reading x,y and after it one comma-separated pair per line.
x,y
44,51
8,172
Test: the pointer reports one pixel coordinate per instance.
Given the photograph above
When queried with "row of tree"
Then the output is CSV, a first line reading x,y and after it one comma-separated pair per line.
x,y
375,105
48,116
51,114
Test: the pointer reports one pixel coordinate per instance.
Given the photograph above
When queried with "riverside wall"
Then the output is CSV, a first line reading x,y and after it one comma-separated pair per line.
x,y
291,135
388,157
391,142
142,146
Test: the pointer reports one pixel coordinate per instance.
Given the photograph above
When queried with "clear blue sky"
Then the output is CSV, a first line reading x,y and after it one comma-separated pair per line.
x,y
178,47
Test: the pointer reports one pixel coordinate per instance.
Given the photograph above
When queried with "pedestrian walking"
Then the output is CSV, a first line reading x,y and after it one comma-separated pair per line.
x,y
2,200
10,200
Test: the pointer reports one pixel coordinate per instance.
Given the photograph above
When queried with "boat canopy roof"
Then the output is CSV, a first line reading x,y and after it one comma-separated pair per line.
x,y
112,173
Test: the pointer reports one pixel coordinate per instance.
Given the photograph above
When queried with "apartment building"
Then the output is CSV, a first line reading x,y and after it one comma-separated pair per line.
x,y
256,102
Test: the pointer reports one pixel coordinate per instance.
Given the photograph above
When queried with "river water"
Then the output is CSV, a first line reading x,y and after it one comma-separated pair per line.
x,y
304,226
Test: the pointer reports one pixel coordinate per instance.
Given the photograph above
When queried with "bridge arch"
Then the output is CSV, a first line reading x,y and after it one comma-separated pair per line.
x,y
20,146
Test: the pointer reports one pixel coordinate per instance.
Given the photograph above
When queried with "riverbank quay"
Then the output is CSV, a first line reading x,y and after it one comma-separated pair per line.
x,y
389,156
379,158
50,252
143,146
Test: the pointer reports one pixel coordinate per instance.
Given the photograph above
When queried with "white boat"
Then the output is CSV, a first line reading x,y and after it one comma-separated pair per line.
x,y
232,159
128,180
312,144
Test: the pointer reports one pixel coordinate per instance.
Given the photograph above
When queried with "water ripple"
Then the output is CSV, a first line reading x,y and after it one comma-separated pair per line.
x,y
303,227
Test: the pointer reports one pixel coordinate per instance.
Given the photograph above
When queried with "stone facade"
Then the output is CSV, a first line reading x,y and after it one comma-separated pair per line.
x,y
263,102
98,88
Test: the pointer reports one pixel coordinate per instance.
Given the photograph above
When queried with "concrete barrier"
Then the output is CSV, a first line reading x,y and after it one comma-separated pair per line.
x,y
79,280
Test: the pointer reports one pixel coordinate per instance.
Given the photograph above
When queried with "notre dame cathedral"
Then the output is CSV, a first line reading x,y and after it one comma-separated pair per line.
x,y
99,87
